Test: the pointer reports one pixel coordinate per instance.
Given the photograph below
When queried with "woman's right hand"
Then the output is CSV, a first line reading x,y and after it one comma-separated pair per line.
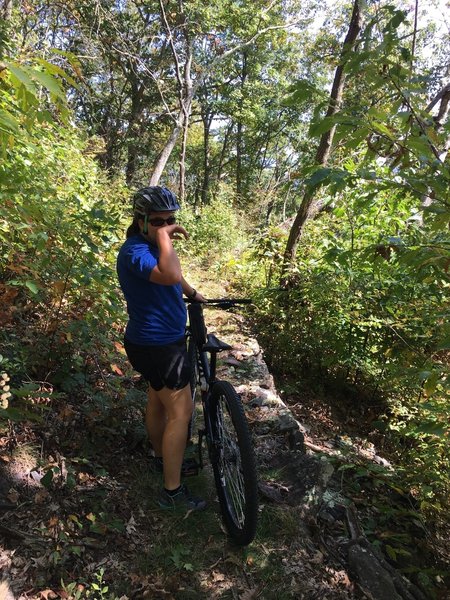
x,y
175,232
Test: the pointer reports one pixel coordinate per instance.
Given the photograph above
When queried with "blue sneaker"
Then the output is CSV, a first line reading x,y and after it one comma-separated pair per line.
x,y
181,499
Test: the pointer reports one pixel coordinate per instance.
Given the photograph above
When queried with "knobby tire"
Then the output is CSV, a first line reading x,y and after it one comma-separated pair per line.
x,y
233,463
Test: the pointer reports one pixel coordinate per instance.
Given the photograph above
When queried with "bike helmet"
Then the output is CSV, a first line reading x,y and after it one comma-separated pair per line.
x,y
154,199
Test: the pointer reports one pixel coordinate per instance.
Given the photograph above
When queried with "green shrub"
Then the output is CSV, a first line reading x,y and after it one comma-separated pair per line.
x,y
367,311
59,223
216,231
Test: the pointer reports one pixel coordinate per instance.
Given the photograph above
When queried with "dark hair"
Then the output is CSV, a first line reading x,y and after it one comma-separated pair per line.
x,y
134,228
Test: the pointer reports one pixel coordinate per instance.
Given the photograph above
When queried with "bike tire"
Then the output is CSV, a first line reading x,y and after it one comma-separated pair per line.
x,y
233,463
193,382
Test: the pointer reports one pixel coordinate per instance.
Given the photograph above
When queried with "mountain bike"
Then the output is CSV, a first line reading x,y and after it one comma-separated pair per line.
x,y
225,427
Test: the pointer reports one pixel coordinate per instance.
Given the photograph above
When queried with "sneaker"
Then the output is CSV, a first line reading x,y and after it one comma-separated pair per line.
x,y
189,467
181,499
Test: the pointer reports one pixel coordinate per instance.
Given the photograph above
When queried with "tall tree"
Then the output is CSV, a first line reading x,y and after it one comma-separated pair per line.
x,y
190,82
306,209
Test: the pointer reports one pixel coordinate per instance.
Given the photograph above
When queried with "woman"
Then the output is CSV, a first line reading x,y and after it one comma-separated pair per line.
x,y
150,277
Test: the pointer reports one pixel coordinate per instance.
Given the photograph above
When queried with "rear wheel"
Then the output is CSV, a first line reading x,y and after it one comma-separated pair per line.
x,y
233,463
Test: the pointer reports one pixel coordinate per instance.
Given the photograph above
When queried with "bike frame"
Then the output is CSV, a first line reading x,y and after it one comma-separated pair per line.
x,y
207,366
226,429
206,376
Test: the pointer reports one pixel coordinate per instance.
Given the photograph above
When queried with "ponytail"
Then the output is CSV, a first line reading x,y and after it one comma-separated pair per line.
x,y
133,229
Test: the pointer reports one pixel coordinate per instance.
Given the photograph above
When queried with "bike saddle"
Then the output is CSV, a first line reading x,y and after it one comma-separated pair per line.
x,y
213,344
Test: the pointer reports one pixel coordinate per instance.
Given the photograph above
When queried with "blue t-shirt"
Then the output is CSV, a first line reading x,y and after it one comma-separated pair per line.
x,y
157,313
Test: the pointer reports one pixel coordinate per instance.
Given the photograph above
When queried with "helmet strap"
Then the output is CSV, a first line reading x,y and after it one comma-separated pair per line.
x,y
145,230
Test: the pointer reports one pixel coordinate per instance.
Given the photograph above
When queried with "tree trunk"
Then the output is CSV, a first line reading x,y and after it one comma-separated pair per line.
x,y
163,157
134,129
207,118
186,104
182,186
130,168
224,150
306,208
6,10
239,161
439,121
239,135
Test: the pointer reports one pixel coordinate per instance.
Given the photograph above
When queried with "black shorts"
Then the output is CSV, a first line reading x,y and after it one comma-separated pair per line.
x,y
162,366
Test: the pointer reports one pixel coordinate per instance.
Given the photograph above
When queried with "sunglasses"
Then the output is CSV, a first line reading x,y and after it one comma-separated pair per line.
x,y
159,221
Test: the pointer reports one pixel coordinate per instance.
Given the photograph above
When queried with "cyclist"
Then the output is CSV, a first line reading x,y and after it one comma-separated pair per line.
x,y
151,280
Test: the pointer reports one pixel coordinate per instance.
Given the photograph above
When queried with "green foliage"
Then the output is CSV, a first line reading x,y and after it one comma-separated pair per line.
x,y
179,557
368,310
96,589
267,251
368,304
216,231
31,92
59,219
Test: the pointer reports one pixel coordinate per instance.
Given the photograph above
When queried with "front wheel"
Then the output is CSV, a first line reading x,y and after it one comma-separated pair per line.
x,y
233,463
193,382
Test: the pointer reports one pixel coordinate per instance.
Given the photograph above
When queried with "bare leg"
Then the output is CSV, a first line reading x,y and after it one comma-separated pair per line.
x,y
178,408
155,420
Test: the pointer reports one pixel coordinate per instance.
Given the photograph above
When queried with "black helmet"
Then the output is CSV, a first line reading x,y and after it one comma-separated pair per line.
x,y
154,199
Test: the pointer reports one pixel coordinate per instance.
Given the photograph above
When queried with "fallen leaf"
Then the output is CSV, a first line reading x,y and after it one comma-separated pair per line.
x,y
249,594
66,413
116,370
13,496
317,558
60,286
47,594
216,576
131,526
36,476
119,347
5,318
84,477
41,496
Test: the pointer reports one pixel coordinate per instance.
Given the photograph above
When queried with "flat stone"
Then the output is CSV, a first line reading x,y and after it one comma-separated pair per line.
x,y
371,575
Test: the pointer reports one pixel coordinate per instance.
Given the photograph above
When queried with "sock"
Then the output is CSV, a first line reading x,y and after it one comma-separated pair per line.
x,y
173,492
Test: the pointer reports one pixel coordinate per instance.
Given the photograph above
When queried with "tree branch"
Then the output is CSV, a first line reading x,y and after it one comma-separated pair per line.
x,y
174,52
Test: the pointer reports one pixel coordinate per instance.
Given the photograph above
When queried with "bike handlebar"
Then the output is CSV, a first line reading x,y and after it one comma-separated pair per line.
x,y
221,302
